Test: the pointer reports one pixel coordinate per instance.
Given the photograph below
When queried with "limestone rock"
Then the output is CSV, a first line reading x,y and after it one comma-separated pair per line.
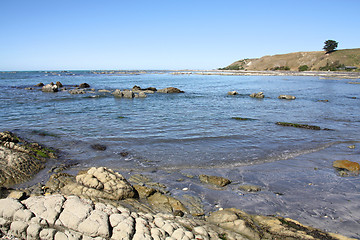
x,y
50,88
8,207
118,93
347,165
170,90
128,94
100,183
48,207
75,211
215,180
233,93
287,97
257,95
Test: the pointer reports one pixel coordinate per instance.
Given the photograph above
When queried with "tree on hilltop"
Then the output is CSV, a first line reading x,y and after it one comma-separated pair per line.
x,y
330,46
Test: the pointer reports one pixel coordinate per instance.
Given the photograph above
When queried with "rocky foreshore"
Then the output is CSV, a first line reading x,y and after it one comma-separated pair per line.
x,y
100,203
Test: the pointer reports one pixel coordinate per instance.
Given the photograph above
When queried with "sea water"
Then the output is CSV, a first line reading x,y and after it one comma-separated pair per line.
x,y
198,128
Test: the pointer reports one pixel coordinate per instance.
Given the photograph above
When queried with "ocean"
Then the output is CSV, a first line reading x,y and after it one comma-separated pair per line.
x,y
198,128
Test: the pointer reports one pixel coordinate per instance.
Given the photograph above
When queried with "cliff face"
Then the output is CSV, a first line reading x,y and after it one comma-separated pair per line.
x,y
317,60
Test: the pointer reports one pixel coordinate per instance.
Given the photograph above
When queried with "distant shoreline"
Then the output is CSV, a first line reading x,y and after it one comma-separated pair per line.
x,y
329,74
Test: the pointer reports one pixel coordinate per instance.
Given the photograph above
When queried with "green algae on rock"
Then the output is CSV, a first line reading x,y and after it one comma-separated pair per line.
x,y
20,160
306,126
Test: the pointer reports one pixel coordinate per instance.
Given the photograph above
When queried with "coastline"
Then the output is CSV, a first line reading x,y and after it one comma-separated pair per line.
x,y
301,188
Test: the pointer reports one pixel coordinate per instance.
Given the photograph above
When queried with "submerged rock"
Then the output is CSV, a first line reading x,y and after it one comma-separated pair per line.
x,y
170,90
312,127
346,165
257,95
215,180
98,147
250,188
287,97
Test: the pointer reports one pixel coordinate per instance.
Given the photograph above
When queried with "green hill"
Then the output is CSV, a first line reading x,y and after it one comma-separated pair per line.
x,y
345,59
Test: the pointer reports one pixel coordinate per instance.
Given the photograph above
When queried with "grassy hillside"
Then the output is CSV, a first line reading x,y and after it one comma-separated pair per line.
x,y
315,61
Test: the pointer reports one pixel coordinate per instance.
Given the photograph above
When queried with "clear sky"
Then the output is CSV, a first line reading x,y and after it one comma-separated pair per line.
x,y
152,34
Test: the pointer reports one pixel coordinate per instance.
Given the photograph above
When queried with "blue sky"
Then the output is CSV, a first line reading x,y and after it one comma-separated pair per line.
x,y
197,34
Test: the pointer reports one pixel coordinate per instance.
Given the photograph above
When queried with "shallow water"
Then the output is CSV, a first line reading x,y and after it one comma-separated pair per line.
x,y
181,130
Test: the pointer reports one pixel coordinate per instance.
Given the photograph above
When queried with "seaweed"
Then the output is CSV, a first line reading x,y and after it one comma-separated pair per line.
x,y
287,124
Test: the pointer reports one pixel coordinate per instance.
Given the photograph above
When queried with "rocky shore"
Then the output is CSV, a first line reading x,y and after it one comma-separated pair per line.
x,y
99,203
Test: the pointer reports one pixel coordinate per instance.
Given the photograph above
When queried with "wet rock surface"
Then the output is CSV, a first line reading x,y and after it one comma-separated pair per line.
x,y
20,160
214,180
257,95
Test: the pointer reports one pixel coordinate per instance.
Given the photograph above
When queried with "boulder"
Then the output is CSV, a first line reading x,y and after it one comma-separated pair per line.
x,y
287,97
257,95
347,165
100,183
215,180
20,160
142,94
233,93
128,94
59,84
118,93
164,203
84,85
170,90
50,88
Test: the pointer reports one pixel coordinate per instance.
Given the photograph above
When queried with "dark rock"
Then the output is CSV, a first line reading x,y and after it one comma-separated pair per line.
x,y
312,127
39,85
150,89
242,119
98,147
59,84
136,88
124,154
84,85
170,90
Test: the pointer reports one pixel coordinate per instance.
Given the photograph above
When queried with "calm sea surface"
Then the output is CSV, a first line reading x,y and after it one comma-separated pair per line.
x,y
194,129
